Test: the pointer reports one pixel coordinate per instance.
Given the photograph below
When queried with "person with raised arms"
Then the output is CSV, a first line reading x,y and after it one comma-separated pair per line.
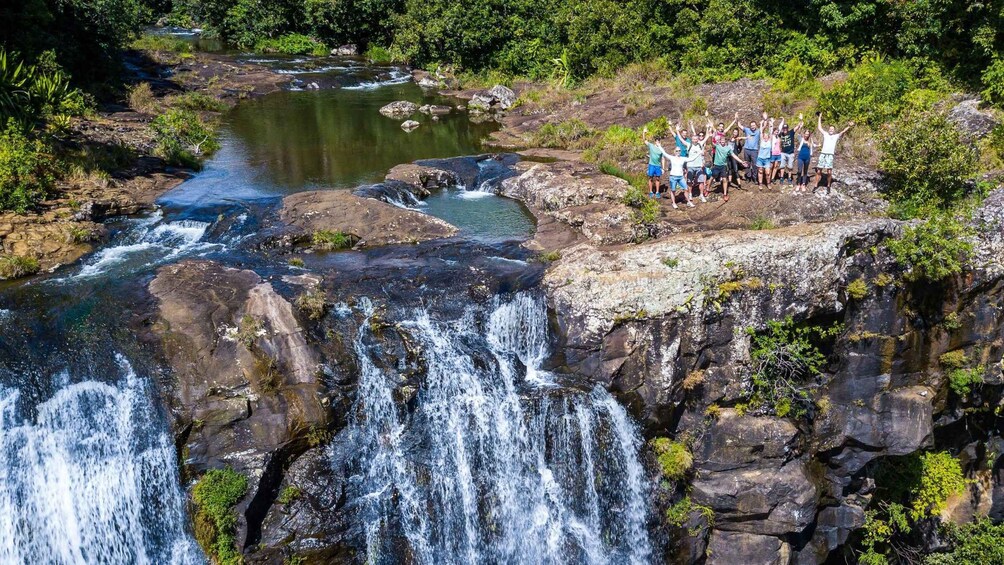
x,y
719,171
827,151
696,174
655,157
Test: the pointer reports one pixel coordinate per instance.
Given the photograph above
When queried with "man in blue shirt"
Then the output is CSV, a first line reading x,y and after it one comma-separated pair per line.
x,y
752,146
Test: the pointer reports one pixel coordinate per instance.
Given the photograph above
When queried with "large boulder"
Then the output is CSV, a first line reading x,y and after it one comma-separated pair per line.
x,y
369,222
734,548
973,122
244,390
350,49
503,96
497,97
400,109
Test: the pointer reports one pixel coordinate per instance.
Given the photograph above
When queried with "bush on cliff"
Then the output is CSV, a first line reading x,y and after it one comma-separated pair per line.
x,y
674,458
934,250
910,489
215,496
783,357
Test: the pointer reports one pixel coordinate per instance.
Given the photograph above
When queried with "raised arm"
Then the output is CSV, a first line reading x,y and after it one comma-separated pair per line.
x,y
819,123
849,126
735,120
801,122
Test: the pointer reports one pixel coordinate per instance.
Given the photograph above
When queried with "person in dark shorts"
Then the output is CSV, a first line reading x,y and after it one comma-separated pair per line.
x,y
736,139
805,146
724,152
752,146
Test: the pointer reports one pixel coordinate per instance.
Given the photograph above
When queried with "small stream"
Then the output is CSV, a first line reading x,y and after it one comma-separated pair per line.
x,y
497,461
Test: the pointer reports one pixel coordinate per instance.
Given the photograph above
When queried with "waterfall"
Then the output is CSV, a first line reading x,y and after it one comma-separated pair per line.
x,y
495,462
85,480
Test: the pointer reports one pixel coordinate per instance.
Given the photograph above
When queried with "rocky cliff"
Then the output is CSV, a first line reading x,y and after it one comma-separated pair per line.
x,y
668,326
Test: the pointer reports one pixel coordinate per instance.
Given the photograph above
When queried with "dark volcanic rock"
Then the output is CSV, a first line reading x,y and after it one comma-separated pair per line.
x,y
244,391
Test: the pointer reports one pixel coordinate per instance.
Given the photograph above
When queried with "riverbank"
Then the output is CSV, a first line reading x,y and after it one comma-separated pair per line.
x,y
115,169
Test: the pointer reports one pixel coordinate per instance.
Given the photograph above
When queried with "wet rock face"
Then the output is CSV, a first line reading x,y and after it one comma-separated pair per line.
x,y
244,390
663,325
370,222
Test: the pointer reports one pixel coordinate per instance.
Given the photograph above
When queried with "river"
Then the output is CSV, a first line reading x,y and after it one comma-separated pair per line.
x,y
496,460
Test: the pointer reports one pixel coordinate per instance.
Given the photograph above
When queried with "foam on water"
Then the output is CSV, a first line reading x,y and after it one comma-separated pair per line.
x,y
486,467
396,77
152,241
88,479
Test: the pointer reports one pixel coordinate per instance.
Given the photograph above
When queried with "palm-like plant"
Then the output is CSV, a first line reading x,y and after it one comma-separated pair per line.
x,y
15,97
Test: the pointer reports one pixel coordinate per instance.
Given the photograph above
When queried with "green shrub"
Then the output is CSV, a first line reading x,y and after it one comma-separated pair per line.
x,y
142,100
161,42
760,223
646,210
980,542
679,513
873,93
562,135
993,82
550,256
941,477
313,302
182,137
674,458
783,357
197,102
953,359
289,494
249,330
292,44
27,170
16,266
326,240
215,496
857,289
962,381
636,180
378,55
926,163
933,251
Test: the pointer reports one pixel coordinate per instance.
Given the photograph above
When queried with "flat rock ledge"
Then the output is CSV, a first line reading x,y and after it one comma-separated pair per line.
x,y
370,222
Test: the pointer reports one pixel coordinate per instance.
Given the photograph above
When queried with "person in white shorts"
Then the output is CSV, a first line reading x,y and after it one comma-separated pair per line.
x,y
827,151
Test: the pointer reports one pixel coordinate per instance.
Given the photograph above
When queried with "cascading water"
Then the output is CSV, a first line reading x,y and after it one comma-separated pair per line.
x,y
495,462
82,480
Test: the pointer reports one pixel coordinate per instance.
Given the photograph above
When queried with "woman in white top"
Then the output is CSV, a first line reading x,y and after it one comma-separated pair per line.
x,y
827,151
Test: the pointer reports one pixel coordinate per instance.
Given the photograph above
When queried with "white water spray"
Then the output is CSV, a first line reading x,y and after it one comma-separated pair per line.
x,y
495,462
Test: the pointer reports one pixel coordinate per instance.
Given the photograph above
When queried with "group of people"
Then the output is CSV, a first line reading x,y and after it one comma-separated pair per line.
x,y
767,151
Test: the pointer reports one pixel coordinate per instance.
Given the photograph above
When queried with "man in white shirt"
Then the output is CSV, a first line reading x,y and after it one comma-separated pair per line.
x,y
828,150
676,181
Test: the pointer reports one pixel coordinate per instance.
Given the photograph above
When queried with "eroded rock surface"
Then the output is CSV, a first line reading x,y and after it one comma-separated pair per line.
x,y
664,325
244,390
370,222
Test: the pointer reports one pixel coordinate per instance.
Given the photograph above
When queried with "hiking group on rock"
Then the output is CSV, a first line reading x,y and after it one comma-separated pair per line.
x,y
767,151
